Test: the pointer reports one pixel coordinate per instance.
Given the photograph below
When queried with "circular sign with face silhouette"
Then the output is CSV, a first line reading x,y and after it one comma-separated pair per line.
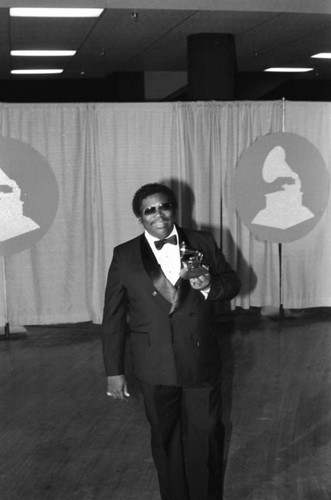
x,y
28,196
281,187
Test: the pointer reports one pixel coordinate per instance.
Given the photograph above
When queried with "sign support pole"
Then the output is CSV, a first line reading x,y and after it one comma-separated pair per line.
x,y
7,335
280,254
7,328
280,246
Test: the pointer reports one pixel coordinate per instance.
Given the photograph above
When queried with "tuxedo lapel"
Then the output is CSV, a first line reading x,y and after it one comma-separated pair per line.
x,y
182,286
154,271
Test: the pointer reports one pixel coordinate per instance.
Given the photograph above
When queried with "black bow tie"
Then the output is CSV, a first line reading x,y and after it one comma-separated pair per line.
x,y
172,240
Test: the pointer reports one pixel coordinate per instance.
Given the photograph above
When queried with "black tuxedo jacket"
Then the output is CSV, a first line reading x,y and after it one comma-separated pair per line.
x,y
172,331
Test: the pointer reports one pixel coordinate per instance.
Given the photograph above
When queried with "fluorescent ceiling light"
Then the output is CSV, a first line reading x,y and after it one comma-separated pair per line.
x,y
322,55
35,71
289,70
53,12
43,53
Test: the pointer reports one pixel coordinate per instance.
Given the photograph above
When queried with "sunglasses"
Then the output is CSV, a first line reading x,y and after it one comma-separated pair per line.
x,y
163,207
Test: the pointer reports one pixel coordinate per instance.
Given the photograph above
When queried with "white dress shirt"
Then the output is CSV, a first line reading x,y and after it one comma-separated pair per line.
x,y
168,257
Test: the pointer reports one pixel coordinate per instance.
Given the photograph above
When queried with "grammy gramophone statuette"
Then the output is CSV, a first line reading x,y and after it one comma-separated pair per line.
x,y
192,262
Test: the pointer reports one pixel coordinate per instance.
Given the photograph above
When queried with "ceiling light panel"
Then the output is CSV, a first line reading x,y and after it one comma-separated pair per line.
x,y
322,55
288,70
44,71
42,53
53,12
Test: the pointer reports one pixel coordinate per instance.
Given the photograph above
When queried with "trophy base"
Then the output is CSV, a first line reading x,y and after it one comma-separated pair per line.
x,y
187,273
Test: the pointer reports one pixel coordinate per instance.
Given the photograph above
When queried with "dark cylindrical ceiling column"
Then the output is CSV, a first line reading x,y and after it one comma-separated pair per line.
x,y
211,66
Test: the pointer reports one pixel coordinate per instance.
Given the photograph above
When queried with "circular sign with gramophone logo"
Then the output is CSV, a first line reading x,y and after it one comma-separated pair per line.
x,y
281,187
28,196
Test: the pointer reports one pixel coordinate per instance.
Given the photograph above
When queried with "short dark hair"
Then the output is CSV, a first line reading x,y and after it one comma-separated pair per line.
x,y
149,190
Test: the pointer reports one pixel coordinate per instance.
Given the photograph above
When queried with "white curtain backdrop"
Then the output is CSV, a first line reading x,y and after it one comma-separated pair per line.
x,y
307,262
101,153
51,281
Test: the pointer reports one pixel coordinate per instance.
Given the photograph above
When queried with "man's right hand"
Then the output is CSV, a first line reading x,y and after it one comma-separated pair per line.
x,y
117,387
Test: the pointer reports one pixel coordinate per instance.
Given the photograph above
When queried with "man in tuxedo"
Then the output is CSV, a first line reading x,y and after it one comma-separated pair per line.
x,y
168,309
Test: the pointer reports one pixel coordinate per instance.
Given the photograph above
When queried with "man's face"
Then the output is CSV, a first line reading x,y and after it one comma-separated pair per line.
x,y
160,223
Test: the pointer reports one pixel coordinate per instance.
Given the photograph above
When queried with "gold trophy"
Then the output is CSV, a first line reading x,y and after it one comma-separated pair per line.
x,y
192,262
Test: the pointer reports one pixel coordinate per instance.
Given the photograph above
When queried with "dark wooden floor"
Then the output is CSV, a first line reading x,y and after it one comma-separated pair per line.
x,y
61,438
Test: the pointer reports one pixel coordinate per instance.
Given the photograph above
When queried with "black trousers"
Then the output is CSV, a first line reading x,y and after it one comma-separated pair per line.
x,y
187,438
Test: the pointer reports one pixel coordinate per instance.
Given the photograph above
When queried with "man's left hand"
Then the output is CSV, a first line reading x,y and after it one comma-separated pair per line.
x,y
200,282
